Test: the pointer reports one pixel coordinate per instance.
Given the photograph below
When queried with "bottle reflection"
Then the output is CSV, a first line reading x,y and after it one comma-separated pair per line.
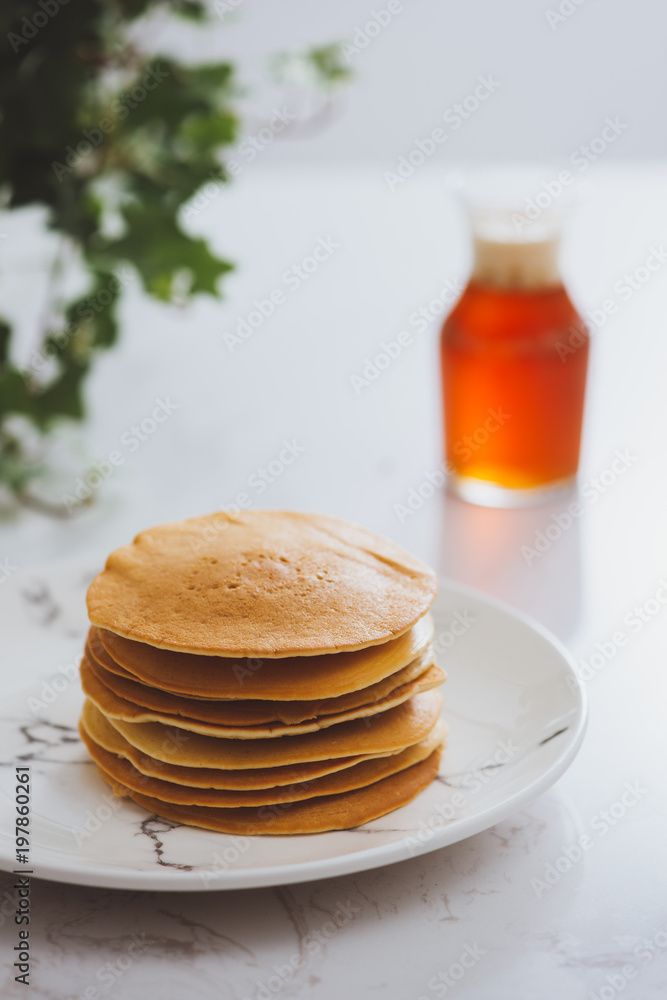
x,y
528,557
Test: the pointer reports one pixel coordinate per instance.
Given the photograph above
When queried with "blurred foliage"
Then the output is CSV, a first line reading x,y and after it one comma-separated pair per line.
x,y
113,142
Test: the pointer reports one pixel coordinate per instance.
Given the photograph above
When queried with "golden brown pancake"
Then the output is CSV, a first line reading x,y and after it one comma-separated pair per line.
x,y
121,770
289,679
248,713
221,711
387,732
110,739
269,672
265,583
328,812
115,707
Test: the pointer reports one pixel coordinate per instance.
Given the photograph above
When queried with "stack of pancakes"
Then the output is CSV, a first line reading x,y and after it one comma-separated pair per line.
x,y
269,672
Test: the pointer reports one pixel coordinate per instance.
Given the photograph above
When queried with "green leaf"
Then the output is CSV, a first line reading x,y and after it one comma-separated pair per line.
x,y
15,396
205,133
161,251
16,468
329,63
60,398
91,319
191,9
5,337
63,397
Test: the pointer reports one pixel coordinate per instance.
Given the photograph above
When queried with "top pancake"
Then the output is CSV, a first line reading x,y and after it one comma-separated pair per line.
x,y
260,583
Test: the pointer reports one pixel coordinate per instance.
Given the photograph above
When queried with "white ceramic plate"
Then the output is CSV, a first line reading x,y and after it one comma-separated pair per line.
x,y
515,709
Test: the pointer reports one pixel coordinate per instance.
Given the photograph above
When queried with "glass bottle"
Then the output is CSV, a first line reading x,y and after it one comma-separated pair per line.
x,y
514,355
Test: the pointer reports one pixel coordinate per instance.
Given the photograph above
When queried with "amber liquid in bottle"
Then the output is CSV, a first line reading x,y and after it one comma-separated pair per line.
x,y
513,382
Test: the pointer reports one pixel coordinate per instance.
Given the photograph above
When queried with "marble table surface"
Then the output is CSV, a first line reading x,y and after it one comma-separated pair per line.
x,y
514,913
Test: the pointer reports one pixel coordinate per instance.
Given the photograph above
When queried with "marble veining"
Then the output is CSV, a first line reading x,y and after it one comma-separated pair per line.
x,y
42,736
155,828
43,608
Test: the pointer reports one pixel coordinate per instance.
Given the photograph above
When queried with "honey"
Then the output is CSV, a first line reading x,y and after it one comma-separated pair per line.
x,y
513,385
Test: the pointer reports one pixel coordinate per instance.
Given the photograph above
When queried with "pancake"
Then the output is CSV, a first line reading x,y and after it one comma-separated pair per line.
x,y
328,812
247,713
264,583
289,679
387,732
115,707
365,773
221,712
110,739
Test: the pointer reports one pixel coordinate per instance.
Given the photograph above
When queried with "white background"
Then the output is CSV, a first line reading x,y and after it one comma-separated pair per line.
x,y
558,83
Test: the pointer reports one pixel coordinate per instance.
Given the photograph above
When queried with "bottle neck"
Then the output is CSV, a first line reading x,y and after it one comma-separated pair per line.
x,y
516,264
